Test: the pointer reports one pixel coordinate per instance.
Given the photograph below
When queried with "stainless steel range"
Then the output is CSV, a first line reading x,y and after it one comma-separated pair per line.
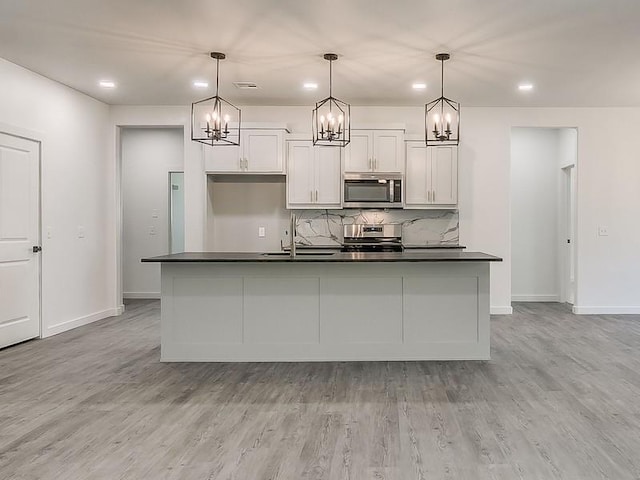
x,y
372,238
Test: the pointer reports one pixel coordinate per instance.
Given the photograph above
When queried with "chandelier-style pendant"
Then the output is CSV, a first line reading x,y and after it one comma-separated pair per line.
x,y
214,120
442,116
331,119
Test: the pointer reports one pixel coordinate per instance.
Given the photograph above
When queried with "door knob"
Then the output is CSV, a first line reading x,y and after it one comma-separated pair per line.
x,y
37,248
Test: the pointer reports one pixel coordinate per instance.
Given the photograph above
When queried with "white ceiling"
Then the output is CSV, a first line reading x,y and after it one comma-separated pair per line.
x,y
575,52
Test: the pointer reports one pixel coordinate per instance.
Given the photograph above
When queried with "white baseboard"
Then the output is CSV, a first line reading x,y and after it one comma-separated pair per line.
x,y
535,298
80,321
141,295
599,310
506,310
120,309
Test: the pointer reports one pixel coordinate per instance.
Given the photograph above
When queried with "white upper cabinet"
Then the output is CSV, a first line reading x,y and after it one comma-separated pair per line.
x,y
444,175
313,176
375,151
260,151
431,178
359,152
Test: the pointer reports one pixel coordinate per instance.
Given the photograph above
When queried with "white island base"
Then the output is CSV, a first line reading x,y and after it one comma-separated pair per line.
x,y
259,312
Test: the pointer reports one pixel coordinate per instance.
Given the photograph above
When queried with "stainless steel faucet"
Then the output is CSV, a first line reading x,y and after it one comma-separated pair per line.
x,y
292,236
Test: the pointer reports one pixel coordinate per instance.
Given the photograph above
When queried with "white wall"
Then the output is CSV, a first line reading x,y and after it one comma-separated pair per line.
x,y
148,155
535,181
237,210
78,281
607,192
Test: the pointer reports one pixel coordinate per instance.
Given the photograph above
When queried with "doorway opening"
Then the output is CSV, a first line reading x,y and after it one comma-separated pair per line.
x,y
543,214
150,156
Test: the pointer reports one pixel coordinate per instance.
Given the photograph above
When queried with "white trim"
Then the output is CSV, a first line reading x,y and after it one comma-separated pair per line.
x,y
146,295
80,321
503,310
605,310
120,309
536,298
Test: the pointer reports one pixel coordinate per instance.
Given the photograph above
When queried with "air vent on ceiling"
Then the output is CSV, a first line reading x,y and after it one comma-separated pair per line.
x,y
246,85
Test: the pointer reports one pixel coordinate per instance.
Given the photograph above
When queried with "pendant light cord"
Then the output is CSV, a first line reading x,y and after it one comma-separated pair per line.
x,y
331,78
217,75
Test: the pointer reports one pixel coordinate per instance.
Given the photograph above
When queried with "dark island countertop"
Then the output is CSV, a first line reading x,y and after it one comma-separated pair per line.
x,y
451,255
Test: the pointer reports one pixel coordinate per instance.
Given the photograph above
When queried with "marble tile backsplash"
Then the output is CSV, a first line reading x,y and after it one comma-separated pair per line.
x,y
419,227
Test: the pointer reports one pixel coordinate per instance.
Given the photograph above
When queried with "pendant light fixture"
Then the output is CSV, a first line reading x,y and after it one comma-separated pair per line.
x,y
442,116
214,120
331,119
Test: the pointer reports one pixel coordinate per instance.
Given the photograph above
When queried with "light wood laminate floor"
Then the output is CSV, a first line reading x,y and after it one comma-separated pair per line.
x,y
560,399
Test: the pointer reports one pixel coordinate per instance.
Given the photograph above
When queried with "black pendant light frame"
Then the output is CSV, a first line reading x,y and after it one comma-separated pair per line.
x,y
439,128
214,120
325,130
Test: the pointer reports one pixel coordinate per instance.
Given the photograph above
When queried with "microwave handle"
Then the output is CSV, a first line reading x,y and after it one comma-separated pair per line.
x,y
391,190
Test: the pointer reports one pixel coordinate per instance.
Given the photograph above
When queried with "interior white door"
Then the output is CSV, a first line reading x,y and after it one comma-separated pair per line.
x,y
19,233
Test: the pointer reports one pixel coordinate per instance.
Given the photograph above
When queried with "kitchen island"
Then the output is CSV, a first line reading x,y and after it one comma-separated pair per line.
x,y
334,306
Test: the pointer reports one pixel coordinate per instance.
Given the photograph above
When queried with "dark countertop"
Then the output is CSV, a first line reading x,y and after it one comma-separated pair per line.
x,y
451,255
434,247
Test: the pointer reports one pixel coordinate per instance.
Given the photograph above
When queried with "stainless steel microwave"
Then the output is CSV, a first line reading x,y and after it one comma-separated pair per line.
x,y
370,190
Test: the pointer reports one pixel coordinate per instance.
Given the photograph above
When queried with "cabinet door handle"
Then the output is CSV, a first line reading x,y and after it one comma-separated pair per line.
x,y
433,196
429,196
370,165
375,164
311,196
246,164
316,195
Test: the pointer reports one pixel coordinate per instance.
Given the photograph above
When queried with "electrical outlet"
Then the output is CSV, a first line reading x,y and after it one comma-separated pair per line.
x,y
152,230
261,232
80,231
154,214
49,232
603,231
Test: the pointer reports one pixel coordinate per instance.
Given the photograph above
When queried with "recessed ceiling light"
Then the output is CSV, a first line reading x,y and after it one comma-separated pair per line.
x,y
419,86
525,87
310,86
199,84
107,84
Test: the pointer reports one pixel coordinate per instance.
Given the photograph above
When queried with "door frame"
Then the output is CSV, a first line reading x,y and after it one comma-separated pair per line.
x,y
567,231
39,138
119,211
170,206
576,213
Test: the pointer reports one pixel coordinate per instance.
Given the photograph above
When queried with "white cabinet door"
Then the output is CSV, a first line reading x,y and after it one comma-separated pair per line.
x,y
328,177
300,174
262,151
444,175
359,152
221,158
388,151
417,175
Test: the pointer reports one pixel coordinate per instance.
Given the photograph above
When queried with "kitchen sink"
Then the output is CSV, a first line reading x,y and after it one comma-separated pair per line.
x,y
286,254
